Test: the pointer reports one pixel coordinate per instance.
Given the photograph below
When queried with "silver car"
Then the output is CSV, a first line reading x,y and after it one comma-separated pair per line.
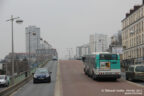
x,y
135,72
4,80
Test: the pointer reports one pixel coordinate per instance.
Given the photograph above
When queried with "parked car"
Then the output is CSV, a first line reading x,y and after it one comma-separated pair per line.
x,y
4,80
135,72
54,58
41,75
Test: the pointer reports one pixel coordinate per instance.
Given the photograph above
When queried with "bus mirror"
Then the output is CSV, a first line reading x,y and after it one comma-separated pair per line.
x,y
83,59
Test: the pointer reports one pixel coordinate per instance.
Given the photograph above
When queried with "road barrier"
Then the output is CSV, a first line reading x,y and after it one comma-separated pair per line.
x,y
20,80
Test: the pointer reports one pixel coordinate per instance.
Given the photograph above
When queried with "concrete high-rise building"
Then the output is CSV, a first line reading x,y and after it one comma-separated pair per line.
x,y
32,39
99,43
82,51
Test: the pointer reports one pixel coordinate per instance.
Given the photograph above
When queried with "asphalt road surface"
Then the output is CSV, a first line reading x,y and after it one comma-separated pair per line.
x,y
40,89
2,88
139,82
76,83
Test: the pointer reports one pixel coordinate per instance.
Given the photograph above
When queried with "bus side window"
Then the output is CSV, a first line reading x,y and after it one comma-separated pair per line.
x,y
91,62
88,60
94,62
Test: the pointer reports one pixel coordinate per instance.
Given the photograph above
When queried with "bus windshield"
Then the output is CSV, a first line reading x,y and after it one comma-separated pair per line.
x,y
108,57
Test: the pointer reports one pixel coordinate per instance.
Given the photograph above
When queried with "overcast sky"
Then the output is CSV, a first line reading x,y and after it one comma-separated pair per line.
x,y
64,23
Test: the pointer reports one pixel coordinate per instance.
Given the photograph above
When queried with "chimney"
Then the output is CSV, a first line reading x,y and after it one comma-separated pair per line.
x,y
127,14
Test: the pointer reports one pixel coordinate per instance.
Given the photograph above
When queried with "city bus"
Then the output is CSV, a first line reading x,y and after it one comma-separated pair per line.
x,y
102,65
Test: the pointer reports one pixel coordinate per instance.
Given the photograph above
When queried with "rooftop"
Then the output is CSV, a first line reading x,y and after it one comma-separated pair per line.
x,y
135,8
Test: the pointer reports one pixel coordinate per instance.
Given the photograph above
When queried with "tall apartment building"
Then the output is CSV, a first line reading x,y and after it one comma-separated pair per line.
x,y
133,35
99,43
82,51
32,38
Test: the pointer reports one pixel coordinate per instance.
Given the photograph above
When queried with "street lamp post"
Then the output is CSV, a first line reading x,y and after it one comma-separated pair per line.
x,y
45,42
18,21
36,34
29,61
29,51
42,47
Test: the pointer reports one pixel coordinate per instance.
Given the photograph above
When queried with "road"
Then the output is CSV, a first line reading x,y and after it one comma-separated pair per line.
x,y
139,82
76,83
40,89
2,88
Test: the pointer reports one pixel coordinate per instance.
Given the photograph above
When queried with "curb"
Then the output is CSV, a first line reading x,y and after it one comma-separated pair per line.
x,y
132,83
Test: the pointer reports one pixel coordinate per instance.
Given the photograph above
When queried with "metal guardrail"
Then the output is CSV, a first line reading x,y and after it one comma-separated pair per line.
x,y
20,80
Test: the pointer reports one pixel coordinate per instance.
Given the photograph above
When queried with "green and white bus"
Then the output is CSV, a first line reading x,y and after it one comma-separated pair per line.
x,y
102,65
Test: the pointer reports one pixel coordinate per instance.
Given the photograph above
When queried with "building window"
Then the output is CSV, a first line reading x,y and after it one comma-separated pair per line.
x,y
142,38
139,39
142,26
139,27
135,16
143,52
140,52
137,52
141,12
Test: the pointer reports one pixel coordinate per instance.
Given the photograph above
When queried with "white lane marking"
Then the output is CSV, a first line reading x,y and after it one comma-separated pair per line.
x,y
58,86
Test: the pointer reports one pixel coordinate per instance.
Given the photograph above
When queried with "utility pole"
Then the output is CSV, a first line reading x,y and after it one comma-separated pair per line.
x,y
37,37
